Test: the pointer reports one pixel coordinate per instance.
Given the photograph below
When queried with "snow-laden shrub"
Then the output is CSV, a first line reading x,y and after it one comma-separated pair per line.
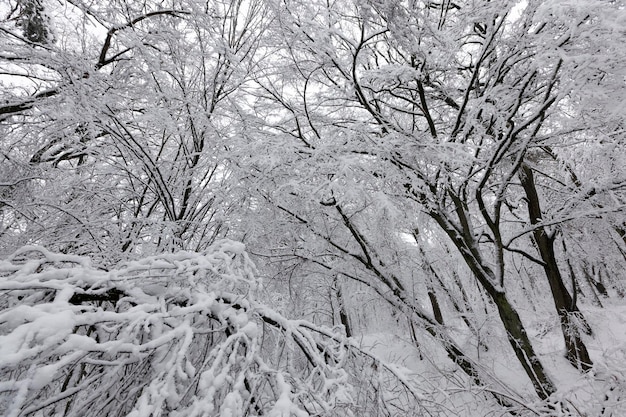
x,y
174,335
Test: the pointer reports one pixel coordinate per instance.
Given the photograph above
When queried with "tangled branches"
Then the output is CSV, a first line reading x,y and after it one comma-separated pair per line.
x,y
176,334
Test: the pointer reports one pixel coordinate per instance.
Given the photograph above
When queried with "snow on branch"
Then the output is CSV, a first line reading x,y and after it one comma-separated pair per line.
x,y
178,334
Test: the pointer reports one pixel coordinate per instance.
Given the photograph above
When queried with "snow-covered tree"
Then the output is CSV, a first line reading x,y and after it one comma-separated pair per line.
x,y
180,334
134,114
453,119
447,174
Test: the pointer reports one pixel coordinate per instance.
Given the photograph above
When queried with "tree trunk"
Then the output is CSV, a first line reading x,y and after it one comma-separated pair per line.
x,y
344,318
576,351
516,333
524,351
435,305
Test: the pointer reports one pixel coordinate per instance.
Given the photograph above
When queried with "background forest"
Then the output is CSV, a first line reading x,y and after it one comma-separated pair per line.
x,y
312,208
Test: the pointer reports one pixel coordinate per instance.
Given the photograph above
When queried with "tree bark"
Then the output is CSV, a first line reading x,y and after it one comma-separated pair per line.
x,y
516,333
344,318
576,351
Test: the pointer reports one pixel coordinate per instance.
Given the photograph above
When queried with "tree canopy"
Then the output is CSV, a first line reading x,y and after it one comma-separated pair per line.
x,y
209,207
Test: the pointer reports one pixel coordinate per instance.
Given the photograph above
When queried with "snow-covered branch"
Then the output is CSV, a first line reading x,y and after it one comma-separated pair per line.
x,y
181,334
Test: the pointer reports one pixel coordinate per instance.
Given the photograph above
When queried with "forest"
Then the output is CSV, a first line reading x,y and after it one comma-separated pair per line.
x,y
312,208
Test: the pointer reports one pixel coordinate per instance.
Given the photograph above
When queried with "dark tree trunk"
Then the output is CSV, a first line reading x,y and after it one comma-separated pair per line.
x,y
576,351
435,305
344,318
405,304
524,351
516,333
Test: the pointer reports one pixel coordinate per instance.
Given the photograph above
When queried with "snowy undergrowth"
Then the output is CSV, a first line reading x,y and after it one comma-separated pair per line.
x,y
600,392
179,335
186,334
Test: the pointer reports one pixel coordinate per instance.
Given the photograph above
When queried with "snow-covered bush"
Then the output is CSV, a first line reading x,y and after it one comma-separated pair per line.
x,y
178,334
